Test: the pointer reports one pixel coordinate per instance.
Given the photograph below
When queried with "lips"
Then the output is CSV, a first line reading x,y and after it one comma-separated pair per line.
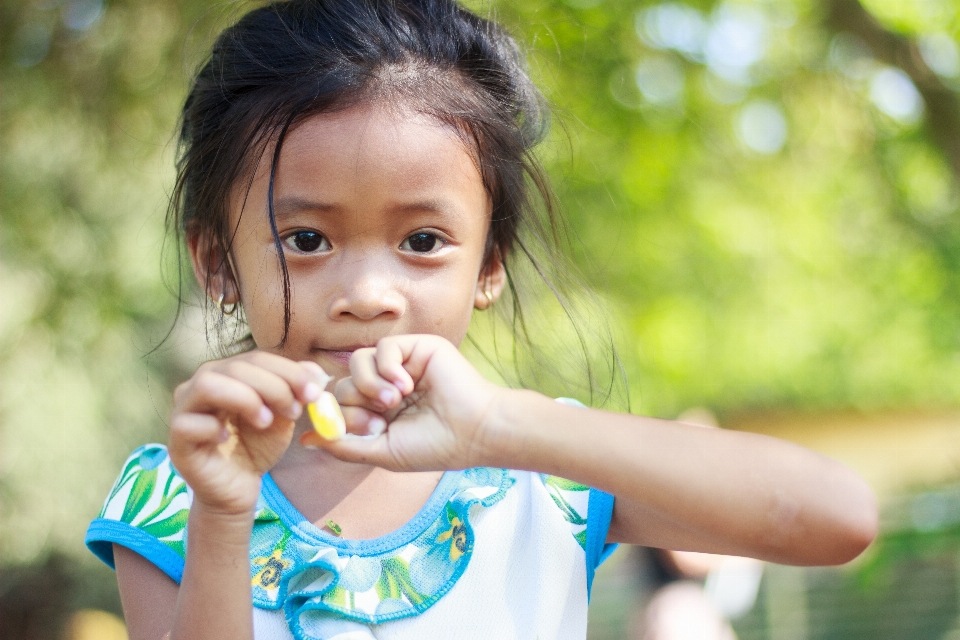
x,y
343,357
342,354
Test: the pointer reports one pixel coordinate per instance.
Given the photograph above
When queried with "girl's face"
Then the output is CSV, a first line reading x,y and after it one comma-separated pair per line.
x,y
383,219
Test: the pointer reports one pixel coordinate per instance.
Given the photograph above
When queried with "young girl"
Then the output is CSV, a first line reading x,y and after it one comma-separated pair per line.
x,y
354,178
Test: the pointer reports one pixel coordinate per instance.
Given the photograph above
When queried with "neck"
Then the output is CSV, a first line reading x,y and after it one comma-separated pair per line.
x,y
316,462
365,500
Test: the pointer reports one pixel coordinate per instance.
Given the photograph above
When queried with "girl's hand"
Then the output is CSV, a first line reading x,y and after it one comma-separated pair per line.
x,y
424,399
233,420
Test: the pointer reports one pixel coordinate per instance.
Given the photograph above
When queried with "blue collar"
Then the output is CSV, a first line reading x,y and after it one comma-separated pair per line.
x,y
317,577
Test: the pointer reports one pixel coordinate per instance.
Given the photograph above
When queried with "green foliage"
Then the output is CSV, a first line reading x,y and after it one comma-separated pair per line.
x,y
820,274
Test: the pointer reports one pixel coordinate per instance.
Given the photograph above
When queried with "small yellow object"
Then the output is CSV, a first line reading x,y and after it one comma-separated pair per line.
x,y
326,417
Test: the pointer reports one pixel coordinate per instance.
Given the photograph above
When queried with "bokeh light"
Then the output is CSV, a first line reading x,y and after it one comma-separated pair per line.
x,y
762,126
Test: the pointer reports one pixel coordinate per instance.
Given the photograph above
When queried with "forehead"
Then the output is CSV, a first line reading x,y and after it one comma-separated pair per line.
x,y
369,149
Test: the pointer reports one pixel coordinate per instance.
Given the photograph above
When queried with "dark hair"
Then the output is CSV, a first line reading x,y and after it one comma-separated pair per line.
x,y
287,61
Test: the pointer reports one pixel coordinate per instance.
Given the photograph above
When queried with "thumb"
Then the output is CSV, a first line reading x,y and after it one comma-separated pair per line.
x,y
352,448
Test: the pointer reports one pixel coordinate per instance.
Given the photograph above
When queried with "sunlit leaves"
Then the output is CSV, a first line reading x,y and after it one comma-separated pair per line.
x,y
749,200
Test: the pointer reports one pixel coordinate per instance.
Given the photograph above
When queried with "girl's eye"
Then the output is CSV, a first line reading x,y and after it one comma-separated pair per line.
x,y
307,241
421,242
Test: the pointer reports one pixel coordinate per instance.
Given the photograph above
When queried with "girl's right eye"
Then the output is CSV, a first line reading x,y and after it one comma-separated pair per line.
x,y
307,241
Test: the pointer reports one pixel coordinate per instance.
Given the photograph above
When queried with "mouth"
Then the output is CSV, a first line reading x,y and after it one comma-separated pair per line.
x,y
341,355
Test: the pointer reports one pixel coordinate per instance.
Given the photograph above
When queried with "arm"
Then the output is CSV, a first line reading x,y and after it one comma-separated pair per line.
x,y
677,486
230,424
148,595
214,599
680,486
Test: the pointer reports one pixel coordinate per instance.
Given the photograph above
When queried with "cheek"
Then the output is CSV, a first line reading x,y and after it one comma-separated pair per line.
x,y
266,325
261,289
449,305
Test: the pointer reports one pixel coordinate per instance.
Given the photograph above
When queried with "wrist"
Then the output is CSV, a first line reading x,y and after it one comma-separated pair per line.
x,y
513,433
226,526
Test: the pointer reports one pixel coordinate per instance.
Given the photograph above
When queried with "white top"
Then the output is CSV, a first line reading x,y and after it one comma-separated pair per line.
x,y
493,553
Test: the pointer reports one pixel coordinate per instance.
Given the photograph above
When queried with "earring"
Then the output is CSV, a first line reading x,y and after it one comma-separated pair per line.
x,y
489,296
223,308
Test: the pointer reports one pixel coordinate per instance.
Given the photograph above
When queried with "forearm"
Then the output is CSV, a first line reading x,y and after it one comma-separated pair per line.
x,y
215,599
684,486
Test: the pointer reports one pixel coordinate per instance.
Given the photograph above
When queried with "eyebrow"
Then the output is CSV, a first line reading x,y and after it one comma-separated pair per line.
x,y
285,206
290,205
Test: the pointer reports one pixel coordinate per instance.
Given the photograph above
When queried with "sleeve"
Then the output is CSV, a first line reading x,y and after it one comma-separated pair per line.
x,y
597,548
589,529
146,511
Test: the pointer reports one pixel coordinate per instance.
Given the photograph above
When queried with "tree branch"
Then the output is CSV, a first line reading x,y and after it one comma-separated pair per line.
x,y
943,104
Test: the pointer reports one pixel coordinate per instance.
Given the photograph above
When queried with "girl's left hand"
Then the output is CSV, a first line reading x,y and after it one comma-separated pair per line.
x,y
427,402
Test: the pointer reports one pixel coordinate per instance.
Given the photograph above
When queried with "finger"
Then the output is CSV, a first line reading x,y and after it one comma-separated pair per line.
x,y
322,378
214,393
391,356
362,422
193,429
420,350
348,395
301,378
273,389
359,422
367,380
366,451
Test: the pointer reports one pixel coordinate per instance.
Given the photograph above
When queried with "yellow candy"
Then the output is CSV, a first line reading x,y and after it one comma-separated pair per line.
x,y
326,417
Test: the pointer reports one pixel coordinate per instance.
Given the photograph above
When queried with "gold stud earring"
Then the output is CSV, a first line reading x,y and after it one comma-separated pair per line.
x,y
489,296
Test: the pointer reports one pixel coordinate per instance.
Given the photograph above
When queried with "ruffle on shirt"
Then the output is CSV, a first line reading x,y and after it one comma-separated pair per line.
x,y
315,578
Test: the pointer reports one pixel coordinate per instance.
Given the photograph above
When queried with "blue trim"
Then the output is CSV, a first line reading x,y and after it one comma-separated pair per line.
x,y
608,549
599,514
305,530
297,604
103,534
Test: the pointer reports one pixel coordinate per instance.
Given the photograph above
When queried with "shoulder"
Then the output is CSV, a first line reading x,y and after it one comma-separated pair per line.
x,y
146,511
147,481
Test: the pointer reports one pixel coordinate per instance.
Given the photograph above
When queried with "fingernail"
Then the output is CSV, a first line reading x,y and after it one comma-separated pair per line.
x,y
295,410
323,378
312,392
376,426
265,418
386,396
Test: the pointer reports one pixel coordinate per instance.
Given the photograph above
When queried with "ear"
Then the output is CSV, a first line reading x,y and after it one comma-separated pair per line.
x,y
490,284
212,269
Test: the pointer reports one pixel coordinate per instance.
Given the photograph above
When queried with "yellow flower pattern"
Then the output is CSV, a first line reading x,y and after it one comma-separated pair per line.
x,y
273,565
457,535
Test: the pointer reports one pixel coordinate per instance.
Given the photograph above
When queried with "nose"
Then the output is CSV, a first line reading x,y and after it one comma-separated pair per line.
x,y
368,290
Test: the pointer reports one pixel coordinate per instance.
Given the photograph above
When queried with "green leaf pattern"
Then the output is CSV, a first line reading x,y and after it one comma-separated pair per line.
x,y
572,499
151,496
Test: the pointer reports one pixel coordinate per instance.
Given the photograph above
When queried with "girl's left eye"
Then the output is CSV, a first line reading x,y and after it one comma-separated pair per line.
x,y
307,241
422,242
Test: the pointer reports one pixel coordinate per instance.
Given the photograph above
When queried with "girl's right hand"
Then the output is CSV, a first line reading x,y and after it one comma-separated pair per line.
x,y
233,420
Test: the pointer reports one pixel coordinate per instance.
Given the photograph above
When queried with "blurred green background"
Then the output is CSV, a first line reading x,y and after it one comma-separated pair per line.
x,y
764,192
